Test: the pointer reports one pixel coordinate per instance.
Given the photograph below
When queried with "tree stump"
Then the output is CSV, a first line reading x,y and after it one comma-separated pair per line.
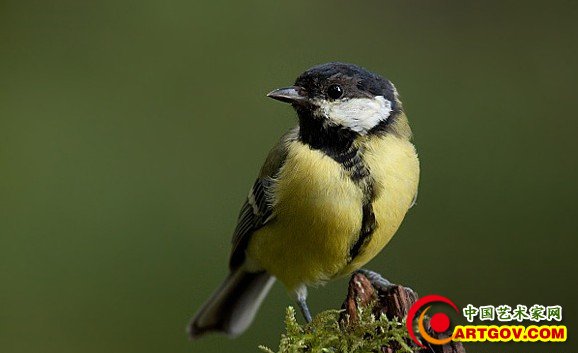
x,y
393,301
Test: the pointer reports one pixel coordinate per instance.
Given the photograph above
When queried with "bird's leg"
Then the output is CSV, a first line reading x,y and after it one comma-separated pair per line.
x,y
304,309
301,299
377,280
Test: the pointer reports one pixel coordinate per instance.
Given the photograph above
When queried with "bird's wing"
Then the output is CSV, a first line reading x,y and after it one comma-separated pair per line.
x,y
258,207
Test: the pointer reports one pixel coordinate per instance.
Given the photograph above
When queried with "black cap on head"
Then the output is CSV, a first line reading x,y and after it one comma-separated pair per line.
x,y
354,81
336,102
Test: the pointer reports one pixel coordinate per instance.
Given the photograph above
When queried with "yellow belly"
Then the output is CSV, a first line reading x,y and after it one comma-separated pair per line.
x,y
318,212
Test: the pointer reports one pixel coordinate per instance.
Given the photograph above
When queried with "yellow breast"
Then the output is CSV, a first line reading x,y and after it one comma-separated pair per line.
x,y
318,212
394,166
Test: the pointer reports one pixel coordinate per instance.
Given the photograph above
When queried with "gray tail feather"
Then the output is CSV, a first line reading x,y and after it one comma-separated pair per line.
x,y
233,306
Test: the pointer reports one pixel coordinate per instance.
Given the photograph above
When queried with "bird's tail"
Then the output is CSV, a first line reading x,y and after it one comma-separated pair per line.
x,y
233,306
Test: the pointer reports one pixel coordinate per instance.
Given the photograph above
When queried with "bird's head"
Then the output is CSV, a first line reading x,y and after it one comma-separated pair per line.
x,y
342,97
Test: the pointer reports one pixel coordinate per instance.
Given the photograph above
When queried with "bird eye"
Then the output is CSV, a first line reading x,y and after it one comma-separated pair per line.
x,y
335,91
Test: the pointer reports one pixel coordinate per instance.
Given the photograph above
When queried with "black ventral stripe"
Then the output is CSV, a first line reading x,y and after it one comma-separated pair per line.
x,y
338,144
368,225
353,162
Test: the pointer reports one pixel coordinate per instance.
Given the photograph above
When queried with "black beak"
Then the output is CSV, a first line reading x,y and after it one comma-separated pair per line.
x,y
288,95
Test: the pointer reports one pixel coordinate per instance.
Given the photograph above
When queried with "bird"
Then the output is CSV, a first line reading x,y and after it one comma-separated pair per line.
x,y
330,195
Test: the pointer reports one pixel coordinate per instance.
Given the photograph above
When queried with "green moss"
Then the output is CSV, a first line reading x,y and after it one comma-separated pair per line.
x,y
325,334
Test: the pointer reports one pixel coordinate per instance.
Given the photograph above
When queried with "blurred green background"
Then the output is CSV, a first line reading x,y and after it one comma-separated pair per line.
x,y
131,131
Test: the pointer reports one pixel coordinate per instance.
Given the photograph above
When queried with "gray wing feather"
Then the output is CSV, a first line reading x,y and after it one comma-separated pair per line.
x,y
258,207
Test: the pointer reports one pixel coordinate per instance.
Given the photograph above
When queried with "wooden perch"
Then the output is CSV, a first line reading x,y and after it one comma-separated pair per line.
x,y
393,301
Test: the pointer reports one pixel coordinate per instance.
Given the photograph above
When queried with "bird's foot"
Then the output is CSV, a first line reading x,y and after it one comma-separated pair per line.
x,y
378,281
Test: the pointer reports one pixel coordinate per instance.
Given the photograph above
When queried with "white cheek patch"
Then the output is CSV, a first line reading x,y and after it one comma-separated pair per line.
x,y
357,114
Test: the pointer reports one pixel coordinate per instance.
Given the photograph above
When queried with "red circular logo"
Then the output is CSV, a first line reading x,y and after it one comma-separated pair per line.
x,y
439,322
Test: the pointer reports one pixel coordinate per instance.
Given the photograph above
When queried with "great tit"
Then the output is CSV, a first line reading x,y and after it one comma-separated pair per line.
x,y
329,197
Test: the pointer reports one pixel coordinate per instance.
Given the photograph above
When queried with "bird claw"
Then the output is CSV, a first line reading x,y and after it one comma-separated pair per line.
x,y
378,281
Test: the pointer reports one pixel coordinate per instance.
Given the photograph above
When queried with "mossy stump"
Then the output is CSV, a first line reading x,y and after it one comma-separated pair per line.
x,y
370,321
394,302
